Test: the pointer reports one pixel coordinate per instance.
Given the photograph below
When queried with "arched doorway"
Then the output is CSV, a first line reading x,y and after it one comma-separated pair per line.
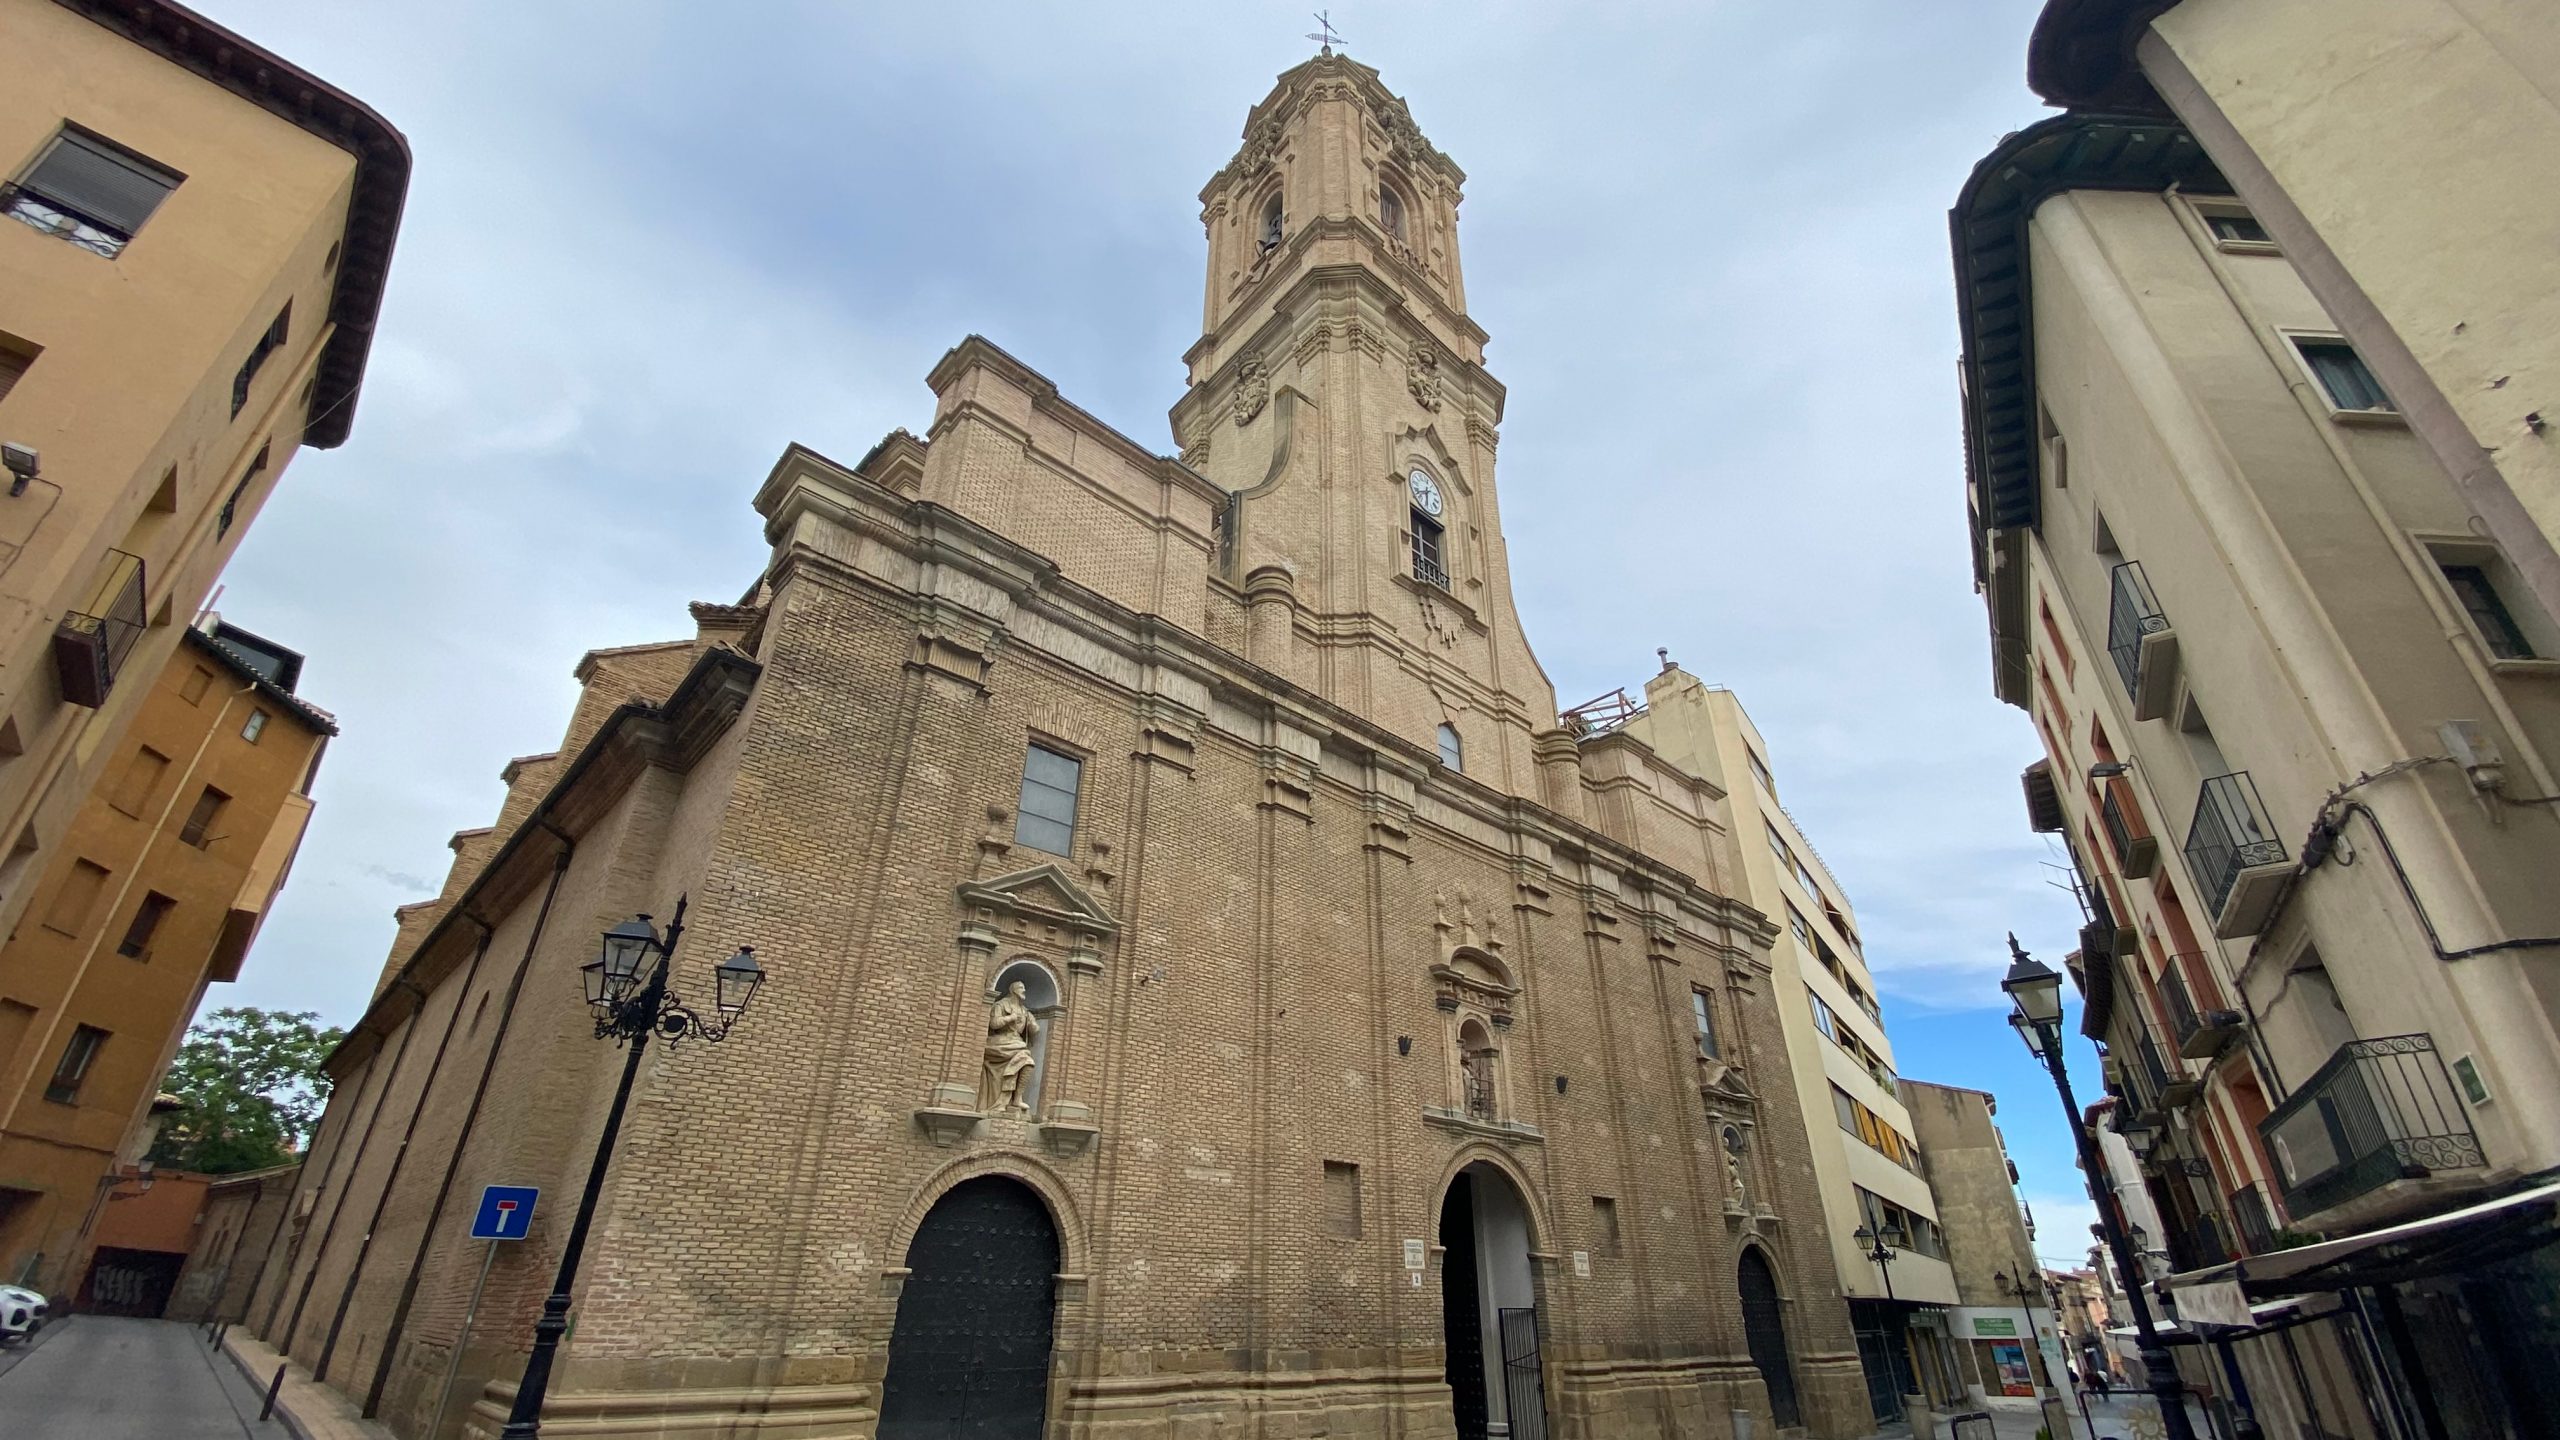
x,y
969,1359
1488,1309
1764,1330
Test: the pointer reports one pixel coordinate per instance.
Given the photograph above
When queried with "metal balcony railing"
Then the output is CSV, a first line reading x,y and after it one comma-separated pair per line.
x,y
2252,1219
2231,833
2137,852
2132,612
90,646
2204,1244
2380,1110
2201,1034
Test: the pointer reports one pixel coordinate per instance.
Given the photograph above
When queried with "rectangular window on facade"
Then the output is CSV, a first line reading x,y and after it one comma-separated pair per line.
x,y
1760,770
1430,563
15,356
72,904
1702,1015
139,782
2234,229
1845,1109
1046,819
77,1056
155,907
2488,610
255,726
201,819
1341,1200
1823,1020
91,192
1802,927
1604,1226
269,342
193,687
2343,377
231,502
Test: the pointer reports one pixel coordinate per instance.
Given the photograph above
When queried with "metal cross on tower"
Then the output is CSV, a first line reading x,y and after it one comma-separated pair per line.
x,y
1324,33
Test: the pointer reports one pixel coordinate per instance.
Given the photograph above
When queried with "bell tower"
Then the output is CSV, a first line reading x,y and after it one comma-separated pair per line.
x,y
1338,393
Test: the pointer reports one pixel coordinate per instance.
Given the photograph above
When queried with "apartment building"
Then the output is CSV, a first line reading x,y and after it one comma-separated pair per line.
x,y
194,235
2300,728
1867,1163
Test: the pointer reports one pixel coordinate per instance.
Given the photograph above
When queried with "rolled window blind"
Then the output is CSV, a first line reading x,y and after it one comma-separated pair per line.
x,y
103,185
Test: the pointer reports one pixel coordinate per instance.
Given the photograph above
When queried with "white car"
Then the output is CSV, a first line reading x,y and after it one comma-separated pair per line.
x,y
22,1311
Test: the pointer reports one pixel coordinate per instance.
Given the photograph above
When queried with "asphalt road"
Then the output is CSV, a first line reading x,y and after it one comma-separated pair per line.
x,y
97,1378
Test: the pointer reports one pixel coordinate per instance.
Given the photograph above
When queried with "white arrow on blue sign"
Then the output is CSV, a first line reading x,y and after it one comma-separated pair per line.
x,y
506,1212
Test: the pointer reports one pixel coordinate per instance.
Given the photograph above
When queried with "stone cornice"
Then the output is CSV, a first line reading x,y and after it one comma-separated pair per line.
x,y
1281,292
977,350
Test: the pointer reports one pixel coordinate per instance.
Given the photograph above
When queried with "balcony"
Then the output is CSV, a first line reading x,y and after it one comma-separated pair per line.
x,y
2141,642
2137,851
2235,857
2380,1110
2201,1034
90,645
2253,1219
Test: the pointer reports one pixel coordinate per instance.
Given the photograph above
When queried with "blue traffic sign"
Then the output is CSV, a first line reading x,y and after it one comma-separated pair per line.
x,y
506,1212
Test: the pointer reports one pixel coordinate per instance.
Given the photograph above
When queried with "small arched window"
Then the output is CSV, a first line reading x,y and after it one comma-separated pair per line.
x,y
1390,210
1271,223
1453,752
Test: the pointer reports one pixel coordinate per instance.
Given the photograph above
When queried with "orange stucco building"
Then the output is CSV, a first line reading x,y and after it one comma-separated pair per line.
x,y
160,884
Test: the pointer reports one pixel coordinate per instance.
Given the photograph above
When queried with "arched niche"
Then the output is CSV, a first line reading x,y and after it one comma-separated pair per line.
x,y
1043,996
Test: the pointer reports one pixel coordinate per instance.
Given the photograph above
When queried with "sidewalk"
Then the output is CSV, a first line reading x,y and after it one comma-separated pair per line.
x,y
2122,1416
311,1412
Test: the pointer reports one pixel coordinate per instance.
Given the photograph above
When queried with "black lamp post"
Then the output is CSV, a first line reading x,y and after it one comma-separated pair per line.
x,y
2037,991
1880,1249
629,1008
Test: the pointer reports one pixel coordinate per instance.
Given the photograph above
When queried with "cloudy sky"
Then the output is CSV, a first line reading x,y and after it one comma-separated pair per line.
x,y
648,245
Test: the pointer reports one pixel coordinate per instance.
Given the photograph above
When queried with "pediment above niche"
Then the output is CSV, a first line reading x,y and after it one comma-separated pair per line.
x,y
1041,895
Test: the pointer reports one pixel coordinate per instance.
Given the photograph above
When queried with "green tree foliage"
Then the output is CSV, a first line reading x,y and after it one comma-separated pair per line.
x,y
253,1088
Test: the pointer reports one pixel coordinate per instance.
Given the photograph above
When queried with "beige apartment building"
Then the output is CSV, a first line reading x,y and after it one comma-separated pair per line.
x,y
193,240
2301,724
2398,152
1209,987
2005,1330
1866,1162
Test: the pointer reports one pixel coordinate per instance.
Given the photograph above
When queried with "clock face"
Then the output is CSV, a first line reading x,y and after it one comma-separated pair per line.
x,y
1426,494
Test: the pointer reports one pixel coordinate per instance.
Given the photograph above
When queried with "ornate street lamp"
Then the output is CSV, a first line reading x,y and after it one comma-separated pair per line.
x,y
2036,991
631,1002
1880,1249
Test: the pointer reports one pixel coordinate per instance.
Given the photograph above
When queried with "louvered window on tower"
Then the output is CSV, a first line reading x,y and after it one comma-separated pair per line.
x,y
90,192
1427,565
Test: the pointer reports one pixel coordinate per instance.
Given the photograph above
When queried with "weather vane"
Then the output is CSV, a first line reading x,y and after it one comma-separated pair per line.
x,y
1325,35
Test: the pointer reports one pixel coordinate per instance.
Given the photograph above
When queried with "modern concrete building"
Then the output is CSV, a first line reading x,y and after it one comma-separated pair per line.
x,y
1210,988
155,891
2302,740
1871,1173
2003,1321
2396,152
193,240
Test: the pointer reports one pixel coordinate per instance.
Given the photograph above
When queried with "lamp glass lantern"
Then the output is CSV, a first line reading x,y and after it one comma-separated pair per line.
x,y
736,981
2035,988
615,973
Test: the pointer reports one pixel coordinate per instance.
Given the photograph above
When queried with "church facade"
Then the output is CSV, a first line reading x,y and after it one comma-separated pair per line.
x,y
1211,993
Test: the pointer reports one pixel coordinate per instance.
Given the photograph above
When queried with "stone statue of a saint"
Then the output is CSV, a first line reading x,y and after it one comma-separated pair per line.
x,y
1011,1027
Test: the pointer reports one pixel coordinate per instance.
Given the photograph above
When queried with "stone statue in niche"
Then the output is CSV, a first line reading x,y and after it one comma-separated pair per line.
x,y
1011,1027
1733,1151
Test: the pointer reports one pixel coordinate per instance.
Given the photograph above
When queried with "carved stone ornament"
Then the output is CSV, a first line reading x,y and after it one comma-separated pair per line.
x,y
1253,389
1404,138
1422,374
1261,146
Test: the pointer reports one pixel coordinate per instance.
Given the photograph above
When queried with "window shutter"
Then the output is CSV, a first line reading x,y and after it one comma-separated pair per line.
x,y
110,189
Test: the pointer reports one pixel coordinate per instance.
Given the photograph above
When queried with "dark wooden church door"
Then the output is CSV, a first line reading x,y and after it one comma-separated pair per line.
x,y
969,1359
1764,1331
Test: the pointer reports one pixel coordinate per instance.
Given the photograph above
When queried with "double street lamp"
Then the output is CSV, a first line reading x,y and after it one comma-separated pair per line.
x,y
2036,990
1881,1248
629,1008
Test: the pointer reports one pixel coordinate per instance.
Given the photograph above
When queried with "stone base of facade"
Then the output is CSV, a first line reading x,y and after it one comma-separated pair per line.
x,y
1688,1399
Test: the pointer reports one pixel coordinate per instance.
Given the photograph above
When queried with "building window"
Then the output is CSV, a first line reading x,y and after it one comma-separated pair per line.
x,y
1390,210
1760,770
193,687
1824,1021
141,778
1272,223
256,726
2343,378
1428,565
1046,818
200,819
1604,1226
1803,928
77,1056
1702,1016
1453,751
231,503
136,945
90,192
15,356
2234,229
268,344
2488,612
69,912
1342,1200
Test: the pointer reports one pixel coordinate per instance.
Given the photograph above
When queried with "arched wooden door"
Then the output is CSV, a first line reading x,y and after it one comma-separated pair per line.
x,y
969,1359
1764,1330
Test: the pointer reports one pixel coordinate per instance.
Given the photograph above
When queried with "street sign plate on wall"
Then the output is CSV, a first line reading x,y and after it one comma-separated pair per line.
x,y
506,1212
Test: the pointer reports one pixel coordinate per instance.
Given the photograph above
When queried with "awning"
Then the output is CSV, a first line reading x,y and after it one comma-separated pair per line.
x,y
2414,1249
